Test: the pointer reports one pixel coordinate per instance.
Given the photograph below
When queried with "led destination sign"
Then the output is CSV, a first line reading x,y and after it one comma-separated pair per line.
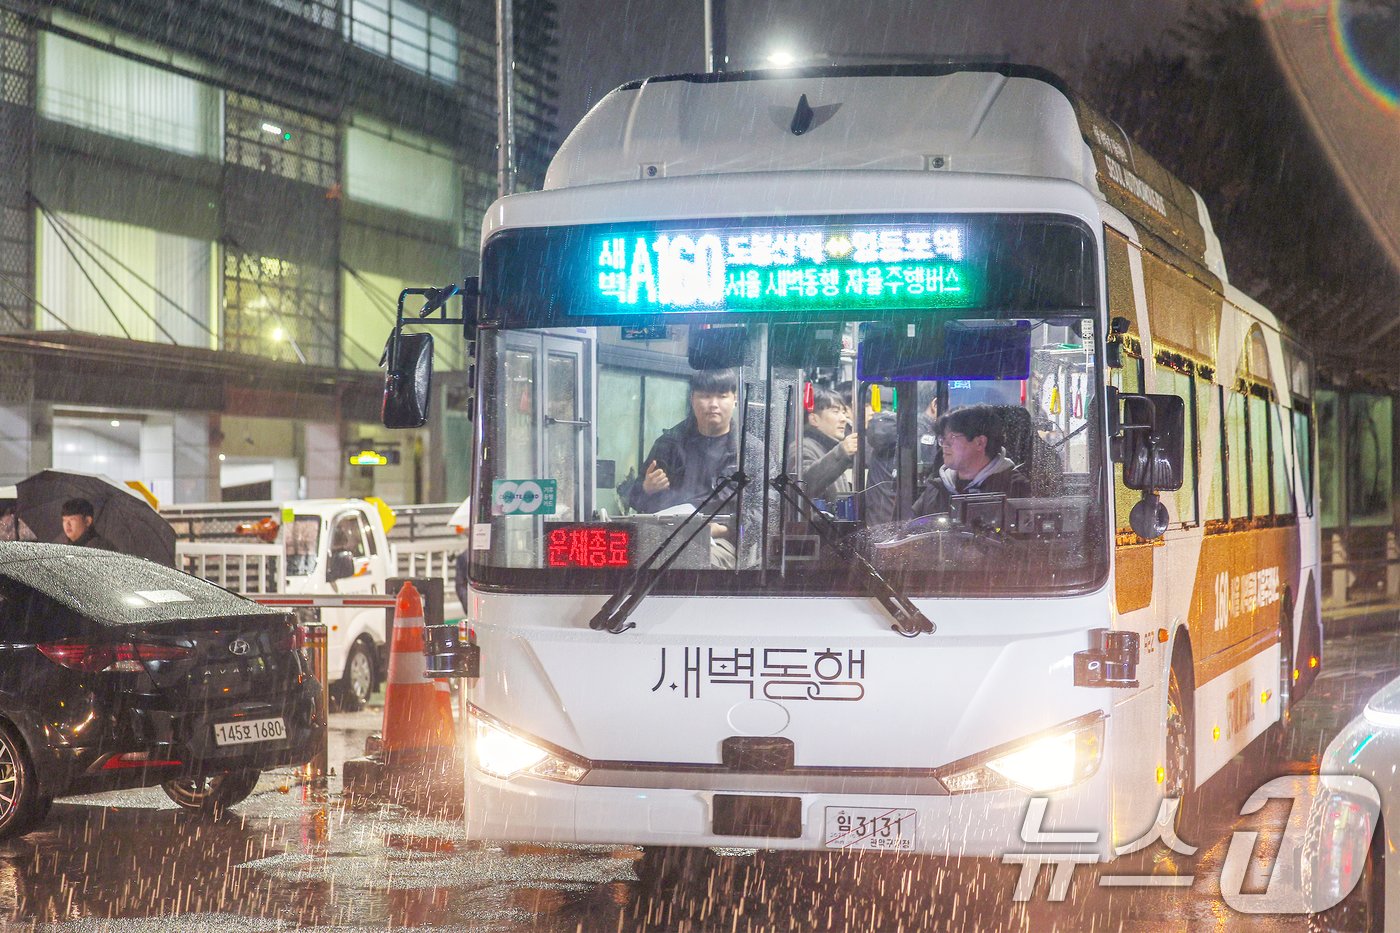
x,y
836,267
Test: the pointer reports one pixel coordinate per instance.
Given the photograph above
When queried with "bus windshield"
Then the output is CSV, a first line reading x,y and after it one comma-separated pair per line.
x,y
958,451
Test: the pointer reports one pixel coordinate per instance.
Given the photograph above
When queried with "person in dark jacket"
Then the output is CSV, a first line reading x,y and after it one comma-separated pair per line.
x,y
78,528
689,458
827,449
973,460
881,447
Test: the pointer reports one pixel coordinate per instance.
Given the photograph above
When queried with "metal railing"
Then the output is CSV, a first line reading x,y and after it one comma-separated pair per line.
x,y
243,568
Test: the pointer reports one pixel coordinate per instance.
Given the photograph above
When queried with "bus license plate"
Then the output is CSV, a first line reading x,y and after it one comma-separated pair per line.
x,y
891,830
252,730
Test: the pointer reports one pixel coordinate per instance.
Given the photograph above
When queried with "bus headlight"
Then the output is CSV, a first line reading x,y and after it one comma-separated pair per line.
x,y
1043,763
501,753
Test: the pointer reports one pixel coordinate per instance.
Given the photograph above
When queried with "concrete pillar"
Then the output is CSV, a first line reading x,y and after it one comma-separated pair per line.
x,y
322,460
1392,567
16,430
194,460
1340,573
157,453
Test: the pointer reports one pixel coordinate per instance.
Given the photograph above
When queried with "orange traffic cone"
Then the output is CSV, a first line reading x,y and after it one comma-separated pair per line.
x,y
417,711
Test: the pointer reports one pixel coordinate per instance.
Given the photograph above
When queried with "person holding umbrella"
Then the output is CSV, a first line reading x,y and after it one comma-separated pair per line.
x,y
78,528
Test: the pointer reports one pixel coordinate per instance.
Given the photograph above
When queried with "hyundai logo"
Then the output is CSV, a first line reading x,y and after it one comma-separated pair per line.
x,y
239,647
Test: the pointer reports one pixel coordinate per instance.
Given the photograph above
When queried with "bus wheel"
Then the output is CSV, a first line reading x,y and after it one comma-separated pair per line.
x,y
1180,755
1276,744
665,868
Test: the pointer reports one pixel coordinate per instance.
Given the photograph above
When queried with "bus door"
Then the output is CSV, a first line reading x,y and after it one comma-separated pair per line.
x,y
548,453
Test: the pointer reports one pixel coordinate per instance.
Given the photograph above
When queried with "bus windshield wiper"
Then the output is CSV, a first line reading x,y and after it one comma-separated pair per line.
x,y
613,616
909,621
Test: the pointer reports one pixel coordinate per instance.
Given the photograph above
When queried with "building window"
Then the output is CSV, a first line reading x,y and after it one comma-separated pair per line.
x,y
278,309
320,12
405,33
104,277
401,171
370,302
107,93
285,142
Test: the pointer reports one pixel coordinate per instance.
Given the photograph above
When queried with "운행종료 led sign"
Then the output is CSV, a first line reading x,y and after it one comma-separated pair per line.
x,y
835,266
593,546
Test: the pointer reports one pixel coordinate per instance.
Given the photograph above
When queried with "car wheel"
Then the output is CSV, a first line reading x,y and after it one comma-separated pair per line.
x,y
665,868
212,794
20,804
357,683
1180,769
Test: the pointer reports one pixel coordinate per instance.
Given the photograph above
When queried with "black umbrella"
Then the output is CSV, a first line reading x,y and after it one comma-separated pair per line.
x,y
119,514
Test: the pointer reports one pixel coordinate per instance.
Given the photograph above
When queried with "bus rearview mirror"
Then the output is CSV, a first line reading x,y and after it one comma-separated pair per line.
x,y
408,381
1150,441
717,348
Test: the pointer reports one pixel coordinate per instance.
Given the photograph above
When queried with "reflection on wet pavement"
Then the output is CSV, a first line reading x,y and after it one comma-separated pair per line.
x,y
288,857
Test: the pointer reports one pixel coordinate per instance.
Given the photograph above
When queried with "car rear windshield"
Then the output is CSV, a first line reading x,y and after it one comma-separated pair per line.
x,y
120,590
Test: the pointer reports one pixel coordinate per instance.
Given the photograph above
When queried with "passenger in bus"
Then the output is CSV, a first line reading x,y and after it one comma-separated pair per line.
x,y
881,439
881,448
828,447
974,460
689,458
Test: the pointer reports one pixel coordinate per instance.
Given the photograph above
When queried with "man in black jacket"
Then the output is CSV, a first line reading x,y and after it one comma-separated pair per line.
x,y
78,528
974,461
689,458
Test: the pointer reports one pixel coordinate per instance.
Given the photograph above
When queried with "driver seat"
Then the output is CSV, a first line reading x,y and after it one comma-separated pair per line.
x,y
1028,449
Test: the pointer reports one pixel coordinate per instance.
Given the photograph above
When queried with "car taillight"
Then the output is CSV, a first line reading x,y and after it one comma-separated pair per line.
x,y
126,657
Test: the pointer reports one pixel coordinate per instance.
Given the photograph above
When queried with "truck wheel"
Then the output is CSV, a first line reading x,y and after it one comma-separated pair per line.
x,y
214,794
357,684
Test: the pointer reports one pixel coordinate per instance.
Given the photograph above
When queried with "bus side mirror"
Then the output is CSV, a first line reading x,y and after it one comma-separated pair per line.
x,y
408,380
1148,435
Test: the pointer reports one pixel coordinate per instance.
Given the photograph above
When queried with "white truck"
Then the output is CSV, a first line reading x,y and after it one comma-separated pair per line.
x,y
324,548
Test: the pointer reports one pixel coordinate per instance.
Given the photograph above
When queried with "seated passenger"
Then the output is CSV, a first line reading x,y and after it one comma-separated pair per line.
x,y
827,449
689,458
973,460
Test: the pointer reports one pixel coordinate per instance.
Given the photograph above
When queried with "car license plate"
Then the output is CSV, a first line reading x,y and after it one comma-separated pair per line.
x,y
250,730
870,828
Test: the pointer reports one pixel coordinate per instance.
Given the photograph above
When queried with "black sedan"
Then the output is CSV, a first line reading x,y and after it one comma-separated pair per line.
x,y
116,672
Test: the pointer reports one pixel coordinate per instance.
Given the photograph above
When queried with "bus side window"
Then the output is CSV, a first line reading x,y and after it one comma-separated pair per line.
x,y
1129,379
1235,435
1303,451
1278,454
1260,479
1180,384
1208,406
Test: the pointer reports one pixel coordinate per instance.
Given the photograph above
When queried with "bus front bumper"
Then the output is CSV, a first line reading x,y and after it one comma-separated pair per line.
x,y
985,824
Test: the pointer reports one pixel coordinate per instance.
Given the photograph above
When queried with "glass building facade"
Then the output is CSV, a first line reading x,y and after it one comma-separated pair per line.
x,y
205,239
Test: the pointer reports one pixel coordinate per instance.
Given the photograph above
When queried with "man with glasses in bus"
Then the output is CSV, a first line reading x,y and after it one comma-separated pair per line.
x,y
689,458
974,461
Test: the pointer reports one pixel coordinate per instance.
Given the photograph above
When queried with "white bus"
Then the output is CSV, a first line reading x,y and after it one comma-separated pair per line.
x,y
747,661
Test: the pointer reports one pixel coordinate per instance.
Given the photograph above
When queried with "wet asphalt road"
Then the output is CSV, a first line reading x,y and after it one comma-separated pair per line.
x,y
287,858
